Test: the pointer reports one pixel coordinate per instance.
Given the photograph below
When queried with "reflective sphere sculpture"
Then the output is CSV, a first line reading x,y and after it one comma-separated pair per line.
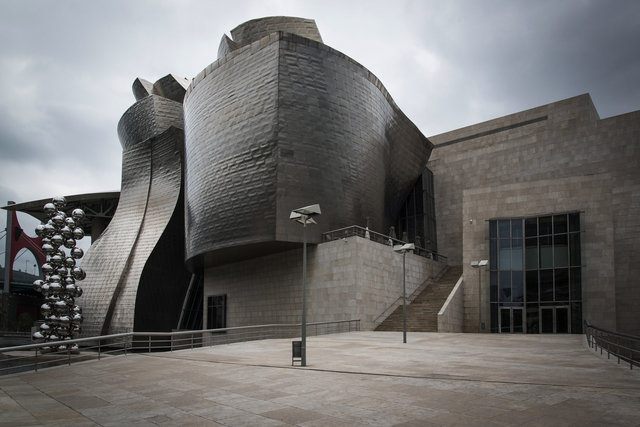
x,y
59,237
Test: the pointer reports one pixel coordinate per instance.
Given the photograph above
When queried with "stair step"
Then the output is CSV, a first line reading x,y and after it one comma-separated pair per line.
x,y
422,313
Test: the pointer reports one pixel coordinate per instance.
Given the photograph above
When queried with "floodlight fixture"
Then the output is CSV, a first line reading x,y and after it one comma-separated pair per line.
x,y
304,216
402,249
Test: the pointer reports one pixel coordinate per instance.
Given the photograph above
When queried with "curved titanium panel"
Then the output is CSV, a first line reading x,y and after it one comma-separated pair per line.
x,y
150,199
285,123
105,261
148,117
256,29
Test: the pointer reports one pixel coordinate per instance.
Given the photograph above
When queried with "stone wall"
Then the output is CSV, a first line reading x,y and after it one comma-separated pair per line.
x,y
351,278
551,159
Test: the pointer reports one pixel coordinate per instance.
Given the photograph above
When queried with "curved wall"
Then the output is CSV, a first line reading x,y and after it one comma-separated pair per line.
x,y
286,122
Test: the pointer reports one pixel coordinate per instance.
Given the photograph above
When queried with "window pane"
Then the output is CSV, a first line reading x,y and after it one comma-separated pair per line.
x,y
546,319
493,254
531,227
517,287
545,224
546,285
494,317
562,320
546,252
505,286
574,248
562,284
504,228
559,224
574,222
493,286
505,254
532,286
560,251
532,319
531,253
493,229
576,284
576,318
516,254
516,228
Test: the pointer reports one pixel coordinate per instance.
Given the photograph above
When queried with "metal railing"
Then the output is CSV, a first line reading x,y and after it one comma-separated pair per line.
x,y
623,346
37,356
356,230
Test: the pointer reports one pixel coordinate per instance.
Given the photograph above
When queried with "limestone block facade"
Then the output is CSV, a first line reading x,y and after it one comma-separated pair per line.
x,y
552,159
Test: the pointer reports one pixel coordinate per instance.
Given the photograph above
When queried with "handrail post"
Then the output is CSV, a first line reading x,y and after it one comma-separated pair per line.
x,y
36,363
99,341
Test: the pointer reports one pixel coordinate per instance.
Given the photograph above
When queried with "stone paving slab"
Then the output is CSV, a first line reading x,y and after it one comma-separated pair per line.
x,y
363,378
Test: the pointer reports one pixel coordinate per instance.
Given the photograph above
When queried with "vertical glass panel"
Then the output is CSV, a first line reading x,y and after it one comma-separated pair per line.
x,y
505,254
531,285
575,282
494,317
574,222
546,252
533,319
531,227
561,276
531,253
493,254
546,285
493,229
545,225
505,320
517,286
546,320
574,249
504,228
562,320
560,251
493,286
516,228
576,318
516,254
517,320
559,224
505,286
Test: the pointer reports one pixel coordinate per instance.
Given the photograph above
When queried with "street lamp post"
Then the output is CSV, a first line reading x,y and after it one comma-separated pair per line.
x,y
402,249
478,264
304,216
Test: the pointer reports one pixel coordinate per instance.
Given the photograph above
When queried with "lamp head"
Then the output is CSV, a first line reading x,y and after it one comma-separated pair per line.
x,y
404,248
305,215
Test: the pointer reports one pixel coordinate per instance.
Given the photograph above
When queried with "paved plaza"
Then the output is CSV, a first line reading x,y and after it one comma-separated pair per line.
x,y
361,378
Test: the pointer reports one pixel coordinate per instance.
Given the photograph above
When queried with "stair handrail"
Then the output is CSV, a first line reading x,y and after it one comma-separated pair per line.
x,y
625,347
428,281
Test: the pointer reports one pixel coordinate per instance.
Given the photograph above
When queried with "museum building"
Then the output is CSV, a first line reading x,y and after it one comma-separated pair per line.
x,y
213,167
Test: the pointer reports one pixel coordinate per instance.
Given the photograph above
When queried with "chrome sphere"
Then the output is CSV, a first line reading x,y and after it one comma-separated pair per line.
x,y
46,269
49,209
69,262
45,328
69,222
49,230
70,243
77,253
45,309
57,240
58,220
56,260
78,273
66,231
77,214
48,249
37,285
78,233
40,230
37,337
59,202
69,280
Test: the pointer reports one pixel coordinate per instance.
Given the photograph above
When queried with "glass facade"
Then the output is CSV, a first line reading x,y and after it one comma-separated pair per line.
x,y
417,218
535,274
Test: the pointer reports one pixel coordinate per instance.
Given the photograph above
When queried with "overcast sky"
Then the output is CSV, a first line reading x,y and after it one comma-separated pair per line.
x,y
66,67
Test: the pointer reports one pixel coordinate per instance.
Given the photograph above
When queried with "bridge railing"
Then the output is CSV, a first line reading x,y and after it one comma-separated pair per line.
x,y
43,355
623,346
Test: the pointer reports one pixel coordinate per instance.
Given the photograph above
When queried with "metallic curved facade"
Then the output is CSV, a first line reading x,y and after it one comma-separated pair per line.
x,y
282,121
136,278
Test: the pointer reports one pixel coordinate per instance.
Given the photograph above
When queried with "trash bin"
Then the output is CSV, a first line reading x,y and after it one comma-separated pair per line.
x,y
296,352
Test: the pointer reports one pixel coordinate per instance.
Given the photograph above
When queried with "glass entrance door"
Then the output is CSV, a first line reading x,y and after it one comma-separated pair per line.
x,y
555,320
511,320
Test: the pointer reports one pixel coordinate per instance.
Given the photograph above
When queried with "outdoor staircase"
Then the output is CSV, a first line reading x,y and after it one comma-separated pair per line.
x,y
422,313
